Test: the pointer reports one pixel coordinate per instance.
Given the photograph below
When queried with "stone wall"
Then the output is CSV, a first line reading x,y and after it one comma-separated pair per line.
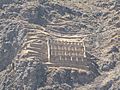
x,y
66,53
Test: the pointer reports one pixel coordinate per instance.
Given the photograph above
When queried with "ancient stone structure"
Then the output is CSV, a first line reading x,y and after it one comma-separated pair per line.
x,y
54,50
66,52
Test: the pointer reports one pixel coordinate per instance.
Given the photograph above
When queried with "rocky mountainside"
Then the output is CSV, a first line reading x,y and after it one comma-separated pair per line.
x,y
21,21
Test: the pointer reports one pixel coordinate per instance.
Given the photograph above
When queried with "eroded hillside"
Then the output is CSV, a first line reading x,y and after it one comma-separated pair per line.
x,y
25,27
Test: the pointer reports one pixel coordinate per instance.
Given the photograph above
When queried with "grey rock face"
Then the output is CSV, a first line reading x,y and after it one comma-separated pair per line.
x,y
42,1
5,2
114,49
118,25
70,77
27,75
11,41
98,20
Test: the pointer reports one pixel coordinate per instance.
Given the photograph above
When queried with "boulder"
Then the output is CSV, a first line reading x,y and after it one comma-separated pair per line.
x,y
108,66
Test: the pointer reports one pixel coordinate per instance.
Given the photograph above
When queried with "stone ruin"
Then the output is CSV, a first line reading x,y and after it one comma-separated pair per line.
x,y
66,52
55,50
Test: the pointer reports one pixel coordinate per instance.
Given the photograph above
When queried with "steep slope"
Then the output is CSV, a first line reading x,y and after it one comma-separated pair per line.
x,y
23,43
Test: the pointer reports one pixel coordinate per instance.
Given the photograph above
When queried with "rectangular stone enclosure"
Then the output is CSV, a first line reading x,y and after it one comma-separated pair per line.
x,y
66,52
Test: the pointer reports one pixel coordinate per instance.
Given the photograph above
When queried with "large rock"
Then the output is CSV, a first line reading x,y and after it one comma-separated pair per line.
x,y
108,66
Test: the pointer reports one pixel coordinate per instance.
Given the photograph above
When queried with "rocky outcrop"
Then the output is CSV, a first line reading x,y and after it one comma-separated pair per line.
x,y
24,75
70,77
108,66
12,37
34,75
